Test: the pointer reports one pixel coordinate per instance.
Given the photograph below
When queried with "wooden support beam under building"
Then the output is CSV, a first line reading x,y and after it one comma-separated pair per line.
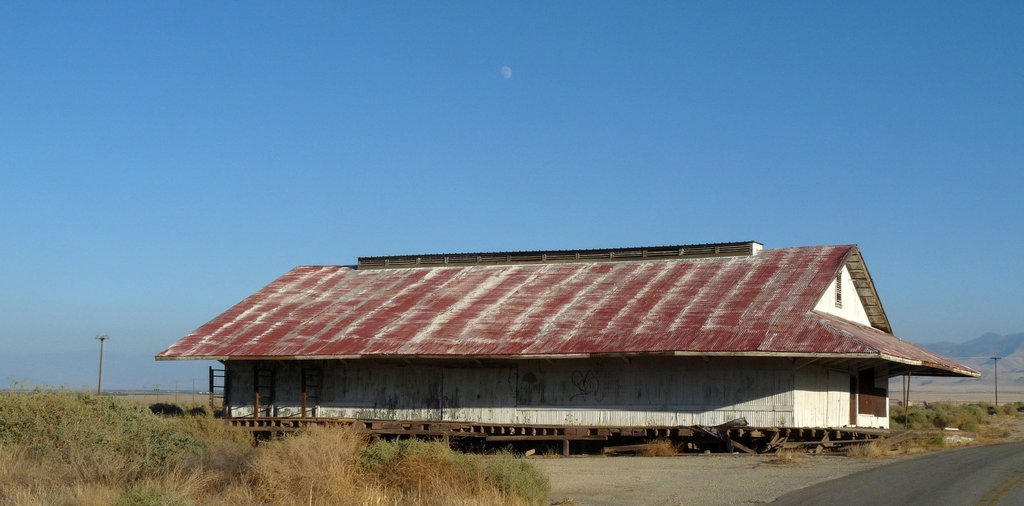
x,y
741,447
748,440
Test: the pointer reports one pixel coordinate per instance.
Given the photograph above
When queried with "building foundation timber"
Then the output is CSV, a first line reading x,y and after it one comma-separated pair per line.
x,y
724,438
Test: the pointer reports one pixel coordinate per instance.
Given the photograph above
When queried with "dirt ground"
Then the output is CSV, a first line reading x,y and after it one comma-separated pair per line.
x,y
706,479
690,480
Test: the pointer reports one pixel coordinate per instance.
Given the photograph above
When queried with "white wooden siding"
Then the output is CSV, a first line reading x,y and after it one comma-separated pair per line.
x,y
852,309
838,399
642,391
822,397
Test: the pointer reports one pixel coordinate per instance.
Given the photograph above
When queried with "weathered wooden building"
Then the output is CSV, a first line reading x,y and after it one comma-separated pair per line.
x,y
660,336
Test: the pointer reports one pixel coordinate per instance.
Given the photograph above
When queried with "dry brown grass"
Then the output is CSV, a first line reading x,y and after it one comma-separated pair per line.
x,y
870,450
317,467
320,466
916,446
1001,428
27,480
658,448
924,442
787,457
53,451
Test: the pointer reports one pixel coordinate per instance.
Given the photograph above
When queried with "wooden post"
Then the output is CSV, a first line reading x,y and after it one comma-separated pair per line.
x,y
99,382
995,375
255,405
211,389
303,404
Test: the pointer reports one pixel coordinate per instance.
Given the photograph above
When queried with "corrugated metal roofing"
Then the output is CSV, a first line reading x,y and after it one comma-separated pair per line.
x,y
752,304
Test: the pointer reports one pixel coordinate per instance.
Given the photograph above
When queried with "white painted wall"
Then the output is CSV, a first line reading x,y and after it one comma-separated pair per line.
x,y
852,309
838,398
643,391
821,397
655,391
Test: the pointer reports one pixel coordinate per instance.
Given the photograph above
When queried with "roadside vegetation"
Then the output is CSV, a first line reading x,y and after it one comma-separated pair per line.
x,y
980,422
63,447
940,415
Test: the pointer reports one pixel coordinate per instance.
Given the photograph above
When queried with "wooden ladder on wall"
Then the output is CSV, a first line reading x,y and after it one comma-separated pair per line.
x,y
218,382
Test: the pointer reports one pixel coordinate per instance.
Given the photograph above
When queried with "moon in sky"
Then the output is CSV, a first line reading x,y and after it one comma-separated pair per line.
x,y
506,72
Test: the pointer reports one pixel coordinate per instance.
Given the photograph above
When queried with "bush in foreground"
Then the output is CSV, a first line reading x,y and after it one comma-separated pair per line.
x,y
88,437
60,447
410,464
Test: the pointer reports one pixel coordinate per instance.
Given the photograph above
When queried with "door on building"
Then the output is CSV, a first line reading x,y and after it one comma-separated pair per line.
x,y
838,399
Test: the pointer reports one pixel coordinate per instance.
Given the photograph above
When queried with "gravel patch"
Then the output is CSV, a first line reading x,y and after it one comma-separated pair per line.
x,y
690,480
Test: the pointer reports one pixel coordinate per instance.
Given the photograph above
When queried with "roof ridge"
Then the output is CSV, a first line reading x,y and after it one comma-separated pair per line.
x,y
724,249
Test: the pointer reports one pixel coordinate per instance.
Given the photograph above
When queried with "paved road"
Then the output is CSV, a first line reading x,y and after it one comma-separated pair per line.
x,y
976,475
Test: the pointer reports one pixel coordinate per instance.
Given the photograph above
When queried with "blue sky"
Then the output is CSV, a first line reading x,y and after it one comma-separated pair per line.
x,y
163,160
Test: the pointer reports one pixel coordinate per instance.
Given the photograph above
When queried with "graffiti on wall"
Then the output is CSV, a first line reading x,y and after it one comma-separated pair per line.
x,y
587,385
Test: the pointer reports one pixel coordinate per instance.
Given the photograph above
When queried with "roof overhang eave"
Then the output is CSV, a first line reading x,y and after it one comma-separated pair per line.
x,y
546,356
919,367
923,368
161,358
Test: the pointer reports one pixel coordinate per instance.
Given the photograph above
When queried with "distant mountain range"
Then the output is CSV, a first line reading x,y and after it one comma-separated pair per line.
x,y
977,354
983,348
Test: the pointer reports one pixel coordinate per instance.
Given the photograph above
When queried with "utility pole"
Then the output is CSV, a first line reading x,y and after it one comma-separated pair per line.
x,y
99,383
906,398
193,390
995,362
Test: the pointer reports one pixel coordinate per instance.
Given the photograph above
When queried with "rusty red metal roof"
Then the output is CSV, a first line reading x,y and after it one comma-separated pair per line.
x,y
759,304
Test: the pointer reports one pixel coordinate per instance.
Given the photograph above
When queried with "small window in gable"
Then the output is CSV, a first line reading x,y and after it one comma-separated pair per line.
x,y
839,290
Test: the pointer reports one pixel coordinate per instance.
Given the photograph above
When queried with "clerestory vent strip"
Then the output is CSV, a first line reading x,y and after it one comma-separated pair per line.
x,y
724,249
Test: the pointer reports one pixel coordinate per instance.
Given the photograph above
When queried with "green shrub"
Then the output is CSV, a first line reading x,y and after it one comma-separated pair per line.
x,y
517,477
940,415
917,419
975,412
399,463
383,453
69,425
167,409
1010,409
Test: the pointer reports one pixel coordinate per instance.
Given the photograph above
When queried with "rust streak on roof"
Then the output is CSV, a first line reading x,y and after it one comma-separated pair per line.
x,y
759,303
